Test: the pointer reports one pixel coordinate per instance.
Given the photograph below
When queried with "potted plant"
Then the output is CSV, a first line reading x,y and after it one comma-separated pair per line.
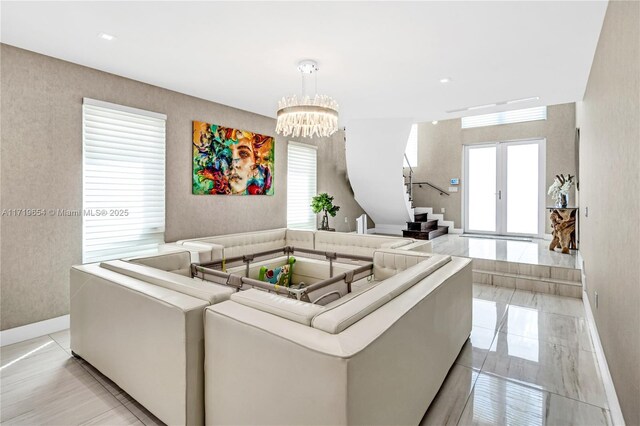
x,y
324,203
559,189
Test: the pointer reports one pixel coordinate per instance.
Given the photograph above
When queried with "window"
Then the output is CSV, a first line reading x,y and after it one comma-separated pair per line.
x,y
123,197
412,147
301,185
505,117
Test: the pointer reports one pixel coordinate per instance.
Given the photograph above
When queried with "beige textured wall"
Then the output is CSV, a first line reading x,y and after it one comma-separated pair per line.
x,y
609,120
333,179
41,161
440,154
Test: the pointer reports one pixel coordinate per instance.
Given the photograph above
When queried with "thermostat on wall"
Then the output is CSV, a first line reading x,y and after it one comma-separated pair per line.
x,y
455,181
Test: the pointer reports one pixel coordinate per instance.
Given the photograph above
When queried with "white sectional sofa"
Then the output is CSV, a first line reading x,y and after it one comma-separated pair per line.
x,y
251,242
375,357
141,322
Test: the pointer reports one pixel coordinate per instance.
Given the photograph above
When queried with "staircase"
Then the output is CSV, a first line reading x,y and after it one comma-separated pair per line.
x,y
425,227
381,191
425,224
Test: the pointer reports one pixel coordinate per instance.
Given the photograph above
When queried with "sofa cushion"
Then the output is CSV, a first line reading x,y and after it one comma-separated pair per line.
x,y
388,262
362,245
291,309
212,293
177,262
340,316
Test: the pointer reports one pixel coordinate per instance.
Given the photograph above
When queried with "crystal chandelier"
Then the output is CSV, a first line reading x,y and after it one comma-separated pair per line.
x,y
307,116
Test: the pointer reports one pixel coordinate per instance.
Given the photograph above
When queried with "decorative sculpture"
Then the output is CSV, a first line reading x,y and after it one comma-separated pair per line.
x,y
563,223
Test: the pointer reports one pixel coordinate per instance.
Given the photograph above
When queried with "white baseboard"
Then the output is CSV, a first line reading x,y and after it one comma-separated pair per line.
x,y
609,390
456,231
36,329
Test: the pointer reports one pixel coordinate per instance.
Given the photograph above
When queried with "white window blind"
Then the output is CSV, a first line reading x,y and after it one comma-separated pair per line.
x,y
412,147
123,181
301,185
505,117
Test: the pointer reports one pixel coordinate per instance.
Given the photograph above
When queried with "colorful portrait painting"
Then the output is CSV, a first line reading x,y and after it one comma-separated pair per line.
x,y
231,162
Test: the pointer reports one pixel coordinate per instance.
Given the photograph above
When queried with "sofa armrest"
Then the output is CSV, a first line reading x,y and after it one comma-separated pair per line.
x,y
198,254
419,246
216,250
281,306
395,244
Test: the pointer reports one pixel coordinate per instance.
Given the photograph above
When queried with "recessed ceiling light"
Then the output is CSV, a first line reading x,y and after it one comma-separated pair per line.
x,y
434,122
515,101
445,80
106,36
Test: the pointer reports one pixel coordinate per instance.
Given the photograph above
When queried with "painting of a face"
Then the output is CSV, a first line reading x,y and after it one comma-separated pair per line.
x,y
228,161
242,165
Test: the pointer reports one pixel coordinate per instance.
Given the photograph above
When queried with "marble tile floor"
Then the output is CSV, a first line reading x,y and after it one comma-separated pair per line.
x,y
529,361
535,252
42,383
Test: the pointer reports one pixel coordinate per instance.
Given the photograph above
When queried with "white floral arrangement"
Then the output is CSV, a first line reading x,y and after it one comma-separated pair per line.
x,y
561,186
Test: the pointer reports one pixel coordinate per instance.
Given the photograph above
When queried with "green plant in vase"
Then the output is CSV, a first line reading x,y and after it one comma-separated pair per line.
x,y
323,203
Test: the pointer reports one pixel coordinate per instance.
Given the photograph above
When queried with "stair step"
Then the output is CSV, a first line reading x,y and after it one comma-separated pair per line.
x,y
428,225
421,217
438,232
426,235
424,210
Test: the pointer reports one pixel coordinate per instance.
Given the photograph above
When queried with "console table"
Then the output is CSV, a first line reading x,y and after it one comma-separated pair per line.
x,y
564,226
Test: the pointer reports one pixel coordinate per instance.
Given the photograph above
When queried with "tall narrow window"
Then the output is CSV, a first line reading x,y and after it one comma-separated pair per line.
x,y
123,196
411,151
301,185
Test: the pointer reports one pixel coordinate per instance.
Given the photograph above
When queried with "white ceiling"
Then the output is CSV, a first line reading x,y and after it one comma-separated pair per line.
x,y
377,59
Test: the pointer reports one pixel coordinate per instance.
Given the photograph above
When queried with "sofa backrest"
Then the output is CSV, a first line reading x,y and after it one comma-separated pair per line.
x,y
362,245
246,242
339,316
209,292
176,262
300,238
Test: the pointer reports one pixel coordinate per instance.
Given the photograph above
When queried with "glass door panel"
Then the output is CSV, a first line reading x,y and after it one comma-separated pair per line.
x,y
504,191
481,188
522,184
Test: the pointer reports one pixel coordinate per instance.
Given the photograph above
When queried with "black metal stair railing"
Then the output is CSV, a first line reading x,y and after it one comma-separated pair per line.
x,y
410,183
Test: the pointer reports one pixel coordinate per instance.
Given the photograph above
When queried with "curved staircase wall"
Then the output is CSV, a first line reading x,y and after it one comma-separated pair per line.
x,y
375,152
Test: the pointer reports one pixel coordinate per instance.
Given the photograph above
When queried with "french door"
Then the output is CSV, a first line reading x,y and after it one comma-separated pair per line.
x,y
504,188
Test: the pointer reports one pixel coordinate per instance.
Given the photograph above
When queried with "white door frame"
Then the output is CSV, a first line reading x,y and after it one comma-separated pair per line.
x,y
501,192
